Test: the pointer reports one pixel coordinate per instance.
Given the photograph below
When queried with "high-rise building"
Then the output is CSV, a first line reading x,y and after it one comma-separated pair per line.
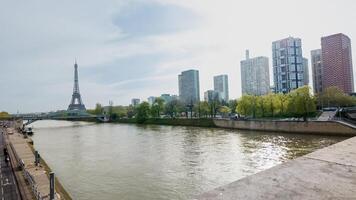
x,y
306,71
212,95
189,91
135,102
151,100
287,64
255,75
337,62
168,98
221,85
317,71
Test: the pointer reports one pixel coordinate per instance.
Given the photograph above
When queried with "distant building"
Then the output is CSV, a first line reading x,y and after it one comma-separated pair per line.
x,y
189,91
255,75
287,64
306,71
221,85
151,100
337,62
135,102
211,96
317,71
168,98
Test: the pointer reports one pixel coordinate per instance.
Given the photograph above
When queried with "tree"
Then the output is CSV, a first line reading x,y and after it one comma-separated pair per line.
x,y
98,109
233,105
302,102
224,110
143,112
335,97
283,103
244,105
4,114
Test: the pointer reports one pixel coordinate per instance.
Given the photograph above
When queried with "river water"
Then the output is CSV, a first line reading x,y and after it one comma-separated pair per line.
x,y
122,161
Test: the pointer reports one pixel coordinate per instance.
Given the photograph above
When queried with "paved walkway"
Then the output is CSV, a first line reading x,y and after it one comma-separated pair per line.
x,y
329,173
7,181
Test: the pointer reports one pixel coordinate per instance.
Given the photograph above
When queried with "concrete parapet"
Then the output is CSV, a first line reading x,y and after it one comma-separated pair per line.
x,y
309,127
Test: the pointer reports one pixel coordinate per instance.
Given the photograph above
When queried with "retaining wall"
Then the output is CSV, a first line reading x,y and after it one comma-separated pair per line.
x,y
310,127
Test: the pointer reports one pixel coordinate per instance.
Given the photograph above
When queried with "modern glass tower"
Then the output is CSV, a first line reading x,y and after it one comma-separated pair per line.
x,y
288,71
221,85
317,71
188,81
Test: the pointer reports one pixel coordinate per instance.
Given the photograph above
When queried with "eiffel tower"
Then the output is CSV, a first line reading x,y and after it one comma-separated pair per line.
x,y
76,103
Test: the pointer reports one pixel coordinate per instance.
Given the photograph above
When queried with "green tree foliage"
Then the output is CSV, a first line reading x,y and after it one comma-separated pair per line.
x,y
232,105
224,111
335,97
298,103
143,112
301,103
4,114
157,107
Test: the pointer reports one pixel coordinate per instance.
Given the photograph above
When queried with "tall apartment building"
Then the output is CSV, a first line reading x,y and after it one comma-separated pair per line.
x,y
287,64
337,62
306,71
212,95
151,100
188,82
317,70
255,75
221,85
135,102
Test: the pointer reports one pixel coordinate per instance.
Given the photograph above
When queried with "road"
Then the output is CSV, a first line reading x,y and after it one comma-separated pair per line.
x,y
8,190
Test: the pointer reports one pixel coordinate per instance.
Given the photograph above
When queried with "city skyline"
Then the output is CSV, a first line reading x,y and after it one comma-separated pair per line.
x,y
119,60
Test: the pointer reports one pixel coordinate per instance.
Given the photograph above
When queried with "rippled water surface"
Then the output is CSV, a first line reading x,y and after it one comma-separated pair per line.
x,y
119,161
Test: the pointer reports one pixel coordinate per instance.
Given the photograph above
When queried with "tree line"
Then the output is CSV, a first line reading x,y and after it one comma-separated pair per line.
x,y
299,103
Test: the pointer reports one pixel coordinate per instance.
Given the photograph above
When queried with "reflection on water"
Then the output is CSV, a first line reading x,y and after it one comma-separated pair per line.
x,y
119,161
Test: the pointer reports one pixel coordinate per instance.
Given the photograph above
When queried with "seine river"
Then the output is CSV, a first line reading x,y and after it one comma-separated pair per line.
x,y
119,161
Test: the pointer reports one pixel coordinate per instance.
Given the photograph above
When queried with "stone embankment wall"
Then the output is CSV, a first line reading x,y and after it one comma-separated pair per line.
x,y
310,127
36,176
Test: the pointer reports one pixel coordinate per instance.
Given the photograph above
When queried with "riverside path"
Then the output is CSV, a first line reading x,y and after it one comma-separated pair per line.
x,y
8,190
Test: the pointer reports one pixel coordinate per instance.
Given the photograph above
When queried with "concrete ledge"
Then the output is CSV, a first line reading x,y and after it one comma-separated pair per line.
x,y
309,127
329,173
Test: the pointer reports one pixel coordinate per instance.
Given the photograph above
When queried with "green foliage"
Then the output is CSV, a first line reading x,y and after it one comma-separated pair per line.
x,y
298,103
98,109
4,114
301,103
157,107
335,97
173,108
224,111
143,112
233,105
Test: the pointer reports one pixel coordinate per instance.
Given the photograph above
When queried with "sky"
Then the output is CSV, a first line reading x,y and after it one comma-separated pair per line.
x,y
136,48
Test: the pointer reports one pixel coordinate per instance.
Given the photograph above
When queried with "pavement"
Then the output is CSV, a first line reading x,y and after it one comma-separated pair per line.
x,y
8,189
329,173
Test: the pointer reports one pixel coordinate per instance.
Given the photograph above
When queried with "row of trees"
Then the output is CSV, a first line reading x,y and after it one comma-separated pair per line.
x,y
298,103
160,108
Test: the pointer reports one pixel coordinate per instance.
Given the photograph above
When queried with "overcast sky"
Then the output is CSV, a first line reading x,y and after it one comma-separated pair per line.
x,y
136,48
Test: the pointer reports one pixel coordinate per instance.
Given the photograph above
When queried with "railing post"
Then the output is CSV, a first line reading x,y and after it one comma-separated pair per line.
x,y
51,186
36,158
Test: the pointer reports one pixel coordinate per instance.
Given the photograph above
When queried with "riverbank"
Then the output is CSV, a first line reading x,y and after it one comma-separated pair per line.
x,y
203,122
37,177
331,128
329,173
